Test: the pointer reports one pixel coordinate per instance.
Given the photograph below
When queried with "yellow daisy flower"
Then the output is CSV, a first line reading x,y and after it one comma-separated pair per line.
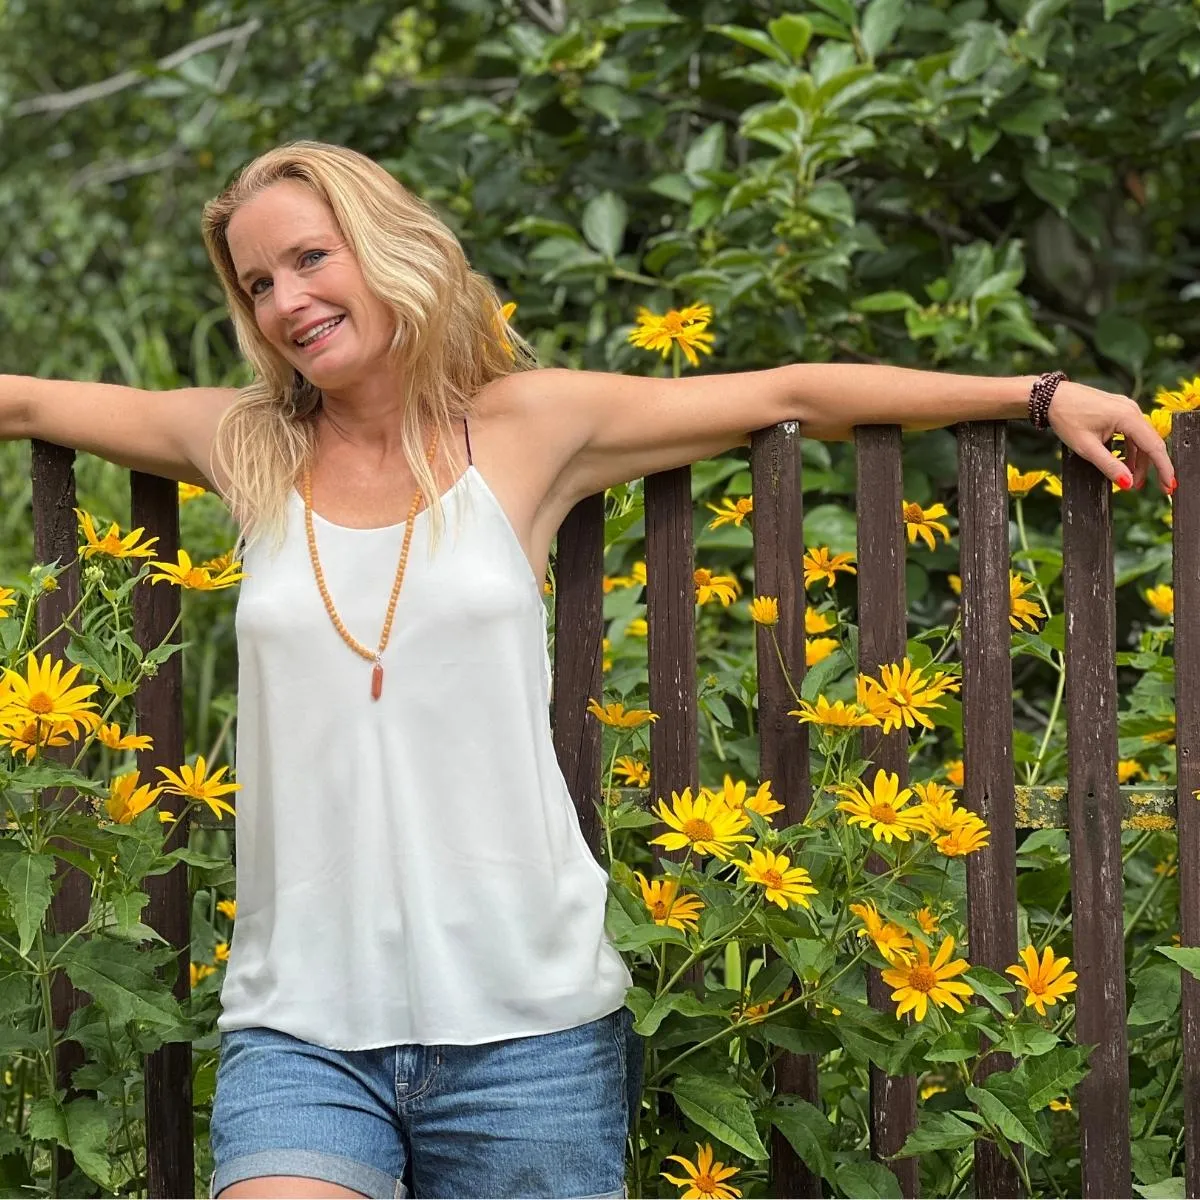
x,y
28,737
183,574
198,971
764,610
752,1014
686,328
190,491
1129,768
1022,483
1022,611
902,694
505,316
838,715
45,694
880,808
1161,598
817,649
1062,1105
111,736
920,982
1185,399
112,543
126,799
715,587
731,512
954,772
669,906
8,600
820,564
221,952
638,627
705,1178
618,717
925,918
1054,484
965,838
227,908
633,772
922,522
1160,418
1045,980
817,622
195,783
222,562
892,941
783,884
706,825
733,795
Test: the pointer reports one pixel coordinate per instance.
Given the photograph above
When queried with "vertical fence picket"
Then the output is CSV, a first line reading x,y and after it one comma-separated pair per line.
x,y
883,638
988,733
783,741
1094,813
578,632
170,1152
1186,527
55,540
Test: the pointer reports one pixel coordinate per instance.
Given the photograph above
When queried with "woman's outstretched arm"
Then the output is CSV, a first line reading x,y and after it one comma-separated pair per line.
x,y
161,433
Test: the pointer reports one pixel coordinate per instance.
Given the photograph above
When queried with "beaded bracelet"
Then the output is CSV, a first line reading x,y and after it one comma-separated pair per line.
x,y
1040,396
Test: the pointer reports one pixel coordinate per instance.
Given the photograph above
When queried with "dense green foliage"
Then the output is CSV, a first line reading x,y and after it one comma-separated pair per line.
x,y
995,188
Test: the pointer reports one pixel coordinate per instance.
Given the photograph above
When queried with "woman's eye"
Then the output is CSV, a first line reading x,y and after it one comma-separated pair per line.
x,y
311,253
256,287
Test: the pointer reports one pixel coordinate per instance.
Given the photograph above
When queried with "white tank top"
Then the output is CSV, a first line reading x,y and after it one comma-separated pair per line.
x,y
409,869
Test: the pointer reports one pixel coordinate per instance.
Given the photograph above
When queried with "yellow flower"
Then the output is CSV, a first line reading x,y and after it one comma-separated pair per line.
x,y
197,784
189,491
731,512
1184,400
733,796
1165,736
126,799
669,906
611,582
783,884
838,715
605,660
49,584
1022,484
200,579
817,622
893,942
1053,484
820,564
816,649
931,1089
45,694
228,908
705,1179
111,736
920,983
1045,980
635,772
926,919
616,715
921,522
1021,611
637,627
505,316
1129,768
1161,598
222,562
28,737
715,587
902,694
880,808
764,610
112,543
954,772
221,952
8,599
686,328
706,825
966,837
1160,418
955,582
197,971
752,1014
938,811
1063,1105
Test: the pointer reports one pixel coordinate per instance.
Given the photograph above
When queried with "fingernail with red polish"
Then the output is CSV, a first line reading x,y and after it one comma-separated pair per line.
x,y
1125,482
1172,486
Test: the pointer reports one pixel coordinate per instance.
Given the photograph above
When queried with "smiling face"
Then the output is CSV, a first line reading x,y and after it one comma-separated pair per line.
x,y
305,286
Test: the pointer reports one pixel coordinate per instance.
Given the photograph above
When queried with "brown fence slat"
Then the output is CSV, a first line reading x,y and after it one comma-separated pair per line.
x,y
1185,450
578,632
55,539
783,741
883,638
1094,808
170,1151
987,734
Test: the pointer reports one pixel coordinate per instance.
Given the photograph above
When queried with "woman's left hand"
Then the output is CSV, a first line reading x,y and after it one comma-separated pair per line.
x,y
1085,418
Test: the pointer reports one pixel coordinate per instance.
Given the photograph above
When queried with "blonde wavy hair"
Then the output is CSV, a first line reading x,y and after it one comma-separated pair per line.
x,y
450,337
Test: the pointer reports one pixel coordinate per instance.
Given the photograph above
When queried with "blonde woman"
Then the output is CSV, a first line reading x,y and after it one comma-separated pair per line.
x,y
420,996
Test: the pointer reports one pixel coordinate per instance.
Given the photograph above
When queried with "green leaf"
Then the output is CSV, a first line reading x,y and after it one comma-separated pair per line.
x,y
706,153
808,1131
1113,7
47,1121
1056,187
641,936
1157,994
792,32
87,1138
604,221
937,1131
880,24
977,52
1050,1076
842,10
1188,957
121,979
1123,339
1167,1189
864,1178
28,880
684,1003
879,302
1026,1041
754,39
994,988
723,1112
1002,1101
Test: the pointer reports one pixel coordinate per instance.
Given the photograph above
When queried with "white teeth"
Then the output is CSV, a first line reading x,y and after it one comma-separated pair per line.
x,y
324,327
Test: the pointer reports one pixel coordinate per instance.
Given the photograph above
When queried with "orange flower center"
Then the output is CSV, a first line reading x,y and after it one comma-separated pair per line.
x,y
40,703
698,830
111,544
197,577
706,1184
884,813
913,512
660,910
922,979
772,879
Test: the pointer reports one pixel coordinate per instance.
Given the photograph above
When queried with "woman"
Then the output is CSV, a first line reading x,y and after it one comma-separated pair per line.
x,y
420,995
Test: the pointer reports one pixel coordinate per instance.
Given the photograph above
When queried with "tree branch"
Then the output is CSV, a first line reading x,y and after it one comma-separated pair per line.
x,y
59,102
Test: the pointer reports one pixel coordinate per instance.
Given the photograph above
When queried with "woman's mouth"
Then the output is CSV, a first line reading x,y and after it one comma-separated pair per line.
x,y
319,334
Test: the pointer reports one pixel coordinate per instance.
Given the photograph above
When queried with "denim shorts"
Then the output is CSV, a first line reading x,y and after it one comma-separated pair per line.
x,y
545,1115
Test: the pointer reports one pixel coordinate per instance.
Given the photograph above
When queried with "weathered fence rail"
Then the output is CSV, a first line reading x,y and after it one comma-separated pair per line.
x,y
1092,807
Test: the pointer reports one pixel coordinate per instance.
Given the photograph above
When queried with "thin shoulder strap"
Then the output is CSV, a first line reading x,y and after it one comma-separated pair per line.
x,y
467,431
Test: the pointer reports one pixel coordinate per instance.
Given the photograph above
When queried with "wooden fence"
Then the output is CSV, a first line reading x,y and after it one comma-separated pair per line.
x,y
1094,809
